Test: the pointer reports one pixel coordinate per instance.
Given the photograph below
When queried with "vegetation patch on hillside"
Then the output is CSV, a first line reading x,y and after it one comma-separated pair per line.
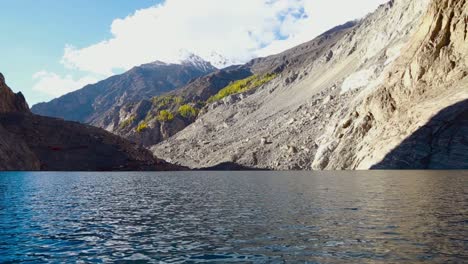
x,y
165,116
127,122
188,111
166,101
166,108
241,86
141,127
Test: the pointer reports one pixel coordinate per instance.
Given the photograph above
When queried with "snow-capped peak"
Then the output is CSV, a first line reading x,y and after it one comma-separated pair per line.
x,y
197,61
189,58
219,61
209,62
214,59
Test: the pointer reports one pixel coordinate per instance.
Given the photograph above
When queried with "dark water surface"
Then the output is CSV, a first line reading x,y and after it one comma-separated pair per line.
x,y
245,217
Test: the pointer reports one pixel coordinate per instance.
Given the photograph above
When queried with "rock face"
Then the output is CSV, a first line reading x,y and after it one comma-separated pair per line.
x,y
439,144
31,142
89,104
14,152
346,99
65,146
428,77
9,101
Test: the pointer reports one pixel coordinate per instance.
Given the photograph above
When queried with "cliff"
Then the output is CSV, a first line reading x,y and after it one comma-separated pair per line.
x,y
31,142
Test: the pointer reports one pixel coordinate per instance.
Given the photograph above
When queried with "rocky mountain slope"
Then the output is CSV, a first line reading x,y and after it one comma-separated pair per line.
x,y
139,121
31,142
89,104
348,99
429,80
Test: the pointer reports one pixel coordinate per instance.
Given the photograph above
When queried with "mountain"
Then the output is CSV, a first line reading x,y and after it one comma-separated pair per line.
x,y
419,114
387,91
138,121
219,61
31,142
88,104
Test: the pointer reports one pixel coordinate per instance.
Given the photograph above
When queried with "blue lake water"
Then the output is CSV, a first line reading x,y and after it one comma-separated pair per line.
x,y
244,217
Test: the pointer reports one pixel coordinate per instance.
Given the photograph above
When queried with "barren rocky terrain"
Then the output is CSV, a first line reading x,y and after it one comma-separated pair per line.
x,y
347,99
128,119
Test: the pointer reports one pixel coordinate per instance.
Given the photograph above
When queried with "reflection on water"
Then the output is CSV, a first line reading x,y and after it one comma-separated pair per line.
x,y
247,217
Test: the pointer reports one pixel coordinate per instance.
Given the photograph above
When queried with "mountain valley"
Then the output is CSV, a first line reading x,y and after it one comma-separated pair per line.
x,y
388,91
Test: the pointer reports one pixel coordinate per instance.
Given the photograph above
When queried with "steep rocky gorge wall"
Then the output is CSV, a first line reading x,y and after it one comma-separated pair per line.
x,y
351,98
430,76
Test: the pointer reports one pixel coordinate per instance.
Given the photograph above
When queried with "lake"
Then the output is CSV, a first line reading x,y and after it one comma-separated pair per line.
x,y
243,217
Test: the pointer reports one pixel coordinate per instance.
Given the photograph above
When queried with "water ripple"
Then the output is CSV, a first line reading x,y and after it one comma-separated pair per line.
x,y
234,217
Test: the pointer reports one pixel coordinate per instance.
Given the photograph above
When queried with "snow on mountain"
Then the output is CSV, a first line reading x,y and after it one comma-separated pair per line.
x,y
197,61
219,61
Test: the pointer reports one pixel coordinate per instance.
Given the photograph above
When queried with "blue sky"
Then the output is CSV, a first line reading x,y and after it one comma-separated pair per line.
x,y
34,34
51,47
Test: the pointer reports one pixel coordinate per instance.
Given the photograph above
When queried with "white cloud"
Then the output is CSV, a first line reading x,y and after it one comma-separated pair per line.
x,y
322,15
235,29
239,30
55,85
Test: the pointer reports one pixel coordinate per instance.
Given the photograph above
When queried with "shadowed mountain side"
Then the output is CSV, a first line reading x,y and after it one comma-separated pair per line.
x,y
231,166
441,143
65,146
89,104
31,142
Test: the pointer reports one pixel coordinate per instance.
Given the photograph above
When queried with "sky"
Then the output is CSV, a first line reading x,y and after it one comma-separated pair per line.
x,y
51,47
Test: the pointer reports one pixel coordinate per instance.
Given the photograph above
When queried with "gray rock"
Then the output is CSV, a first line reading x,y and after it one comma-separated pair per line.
x,y
91,103
381,116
